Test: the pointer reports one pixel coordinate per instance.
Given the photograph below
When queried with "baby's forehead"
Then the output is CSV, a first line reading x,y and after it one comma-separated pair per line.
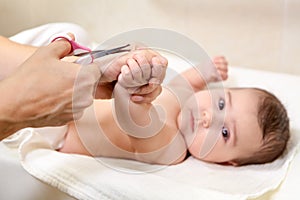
x,y
252,93
250,90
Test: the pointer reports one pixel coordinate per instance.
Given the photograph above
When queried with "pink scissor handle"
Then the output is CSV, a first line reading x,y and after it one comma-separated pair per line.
x,y
76,49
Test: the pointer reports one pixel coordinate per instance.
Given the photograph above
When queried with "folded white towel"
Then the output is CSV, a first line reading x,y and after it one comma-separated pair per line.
x,y
88,178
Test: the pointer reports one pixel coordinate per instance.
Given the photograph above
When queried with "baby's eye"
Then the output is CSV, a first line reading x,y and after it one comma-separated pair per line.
x,y
221,104
225,133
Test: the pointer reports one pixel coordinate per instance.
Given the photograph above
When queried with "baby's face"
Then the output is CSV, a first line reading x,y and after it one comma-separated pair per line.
x,y
221,125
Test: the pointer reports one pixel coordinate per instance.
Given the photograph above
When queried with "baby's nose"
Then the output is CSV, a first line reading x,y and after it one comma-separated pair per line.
x,y
206,119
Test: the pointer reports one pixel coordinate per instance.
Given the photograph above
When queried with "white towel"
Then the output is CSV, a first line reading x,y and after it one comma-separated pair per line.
x,y
85,177
40,35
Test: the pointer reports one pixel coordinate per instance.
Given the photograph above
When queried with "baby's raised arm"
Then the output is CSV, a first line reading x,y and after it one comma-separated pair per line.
x,y
138,120
216,71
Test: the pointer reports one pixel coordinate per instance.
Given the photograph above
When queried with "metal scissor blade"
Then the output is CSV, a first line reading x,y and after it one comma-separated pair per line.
x,y
99,53
86,53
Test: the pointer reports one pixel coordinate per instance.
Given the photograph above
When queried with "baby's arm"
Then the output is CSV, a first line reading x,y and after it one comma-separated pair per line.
x,y
138,120
198,81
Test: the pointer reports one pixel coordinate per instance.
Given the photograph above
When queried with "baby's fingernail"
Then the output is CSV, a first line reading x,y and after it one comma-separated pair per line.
x,y
137,98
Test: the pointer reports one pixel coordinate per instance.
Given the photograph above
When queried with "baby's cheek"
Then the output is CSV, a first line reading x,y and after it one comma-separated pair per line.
x,y
220,153
197,144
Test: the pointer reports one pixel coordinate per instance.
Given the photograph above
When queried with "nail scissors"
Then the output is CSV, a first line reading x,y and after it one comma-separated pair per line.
x,y
89,57
86,55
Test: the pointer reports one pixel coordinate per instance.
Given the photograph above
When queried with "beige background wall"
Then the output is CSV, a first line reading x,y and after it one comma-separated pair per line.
x,y
261,34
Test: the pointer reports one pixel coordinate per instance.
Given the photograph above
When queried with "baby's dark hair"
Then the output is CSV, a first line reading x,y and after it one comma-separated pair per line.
x,y
274,123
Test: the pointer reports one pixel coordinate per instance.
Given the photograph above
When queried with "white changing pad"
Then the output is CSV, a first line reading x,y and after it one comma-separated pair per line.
x,y
87,178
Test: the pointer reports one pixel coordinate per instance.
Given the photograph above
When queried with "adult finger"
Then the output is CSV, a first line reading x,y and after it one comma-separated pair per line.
x,y
58,49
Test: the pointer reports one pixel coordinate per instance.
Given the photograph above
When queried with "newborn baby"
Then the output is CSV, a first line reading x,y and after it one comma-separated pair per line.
x,y
233,126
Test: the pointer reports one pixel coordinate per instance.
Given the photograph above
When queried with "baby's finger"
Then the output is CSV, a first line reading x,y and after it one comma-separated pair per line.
x,y
146,89
147,98
219,58
222,68
224,75
135,70
125,78
163,60
158,71
144,65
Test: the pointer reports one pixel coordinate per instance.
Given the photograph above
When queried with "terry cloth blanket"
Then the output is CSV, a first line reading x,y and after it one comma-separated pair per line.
x,y
85,177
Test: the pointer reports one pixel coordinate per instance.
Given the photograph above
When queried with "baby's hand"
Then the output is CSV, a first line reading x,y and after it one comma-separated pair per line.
x,y
221,65
139,72
135,73
139,77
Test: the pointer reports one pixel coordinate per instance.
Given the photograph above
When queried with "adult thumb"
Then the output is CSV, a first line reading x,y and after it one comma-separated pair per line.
x,y
59,48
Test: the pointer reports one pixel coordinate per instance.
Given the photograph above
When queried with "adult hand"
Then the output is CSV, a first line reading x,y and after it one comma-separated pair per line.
x,y
41,92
